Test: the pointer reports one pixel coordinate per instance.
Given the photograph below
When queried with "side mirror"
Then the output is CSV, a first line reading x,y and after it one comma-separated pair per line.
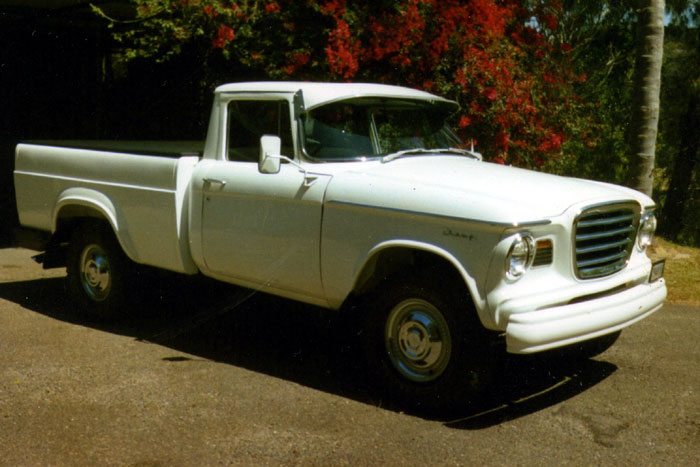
x,y
270,147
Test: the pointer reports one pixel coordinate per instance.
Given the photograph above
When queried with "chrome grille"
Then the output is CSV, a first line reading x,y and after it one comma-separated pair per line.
x,y
604,236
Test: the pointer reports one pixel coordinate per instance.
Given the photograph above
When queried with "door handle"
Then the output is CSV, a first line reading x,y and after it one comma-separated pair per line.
x,y
214,180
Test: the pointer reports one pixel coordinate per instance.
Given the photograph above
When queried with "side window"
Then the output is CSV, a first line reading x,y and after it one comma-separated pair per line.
x,y
249,120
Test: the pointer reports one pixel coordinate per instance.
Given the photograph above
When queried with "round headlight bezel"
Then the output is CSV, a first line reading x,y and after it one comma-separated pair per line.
x,y
521,254
647,229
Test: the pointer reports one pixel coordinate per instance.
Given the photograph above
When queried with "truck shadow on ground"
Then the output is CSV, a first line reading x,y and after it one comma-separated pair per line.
x,y
299,343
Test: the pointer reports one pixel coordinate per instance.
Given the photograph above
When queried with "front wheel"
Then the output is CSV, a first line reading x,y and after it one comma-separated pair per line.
x,y
418,340
427,345
97,272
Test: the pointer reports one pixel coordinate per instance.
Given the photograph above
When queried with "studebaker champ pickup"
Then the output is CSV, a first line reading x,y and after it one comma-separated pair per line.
x,y
338,194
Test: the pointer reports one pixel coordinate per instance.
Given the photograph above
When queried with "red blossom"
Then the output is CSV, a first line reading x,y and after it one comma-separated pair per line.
x,y
551,143
226,33
334,7
551,21
547,78
502,140
272,7
464,121
210,11
223,37
490,93
342,51
295,61
476,108
514,85
460,77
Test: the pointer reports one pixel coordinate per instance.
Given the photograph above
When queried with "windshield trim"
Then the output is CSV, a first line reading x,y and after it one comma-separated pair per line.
x,y
433,100
301,136
417,152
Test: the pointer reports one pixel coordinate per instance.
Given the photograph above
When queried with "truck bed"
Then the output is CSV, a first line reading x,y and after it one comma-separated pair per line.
x,y
141,195
173,149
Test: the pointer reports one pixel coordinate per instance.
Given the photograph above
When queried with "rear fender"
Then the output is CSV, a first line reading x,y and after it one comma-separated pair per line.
x,y
85,202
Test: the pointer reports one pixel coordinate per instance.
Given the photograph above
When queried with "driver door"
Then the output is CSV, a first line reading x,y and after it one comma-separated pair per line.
x,y
262,230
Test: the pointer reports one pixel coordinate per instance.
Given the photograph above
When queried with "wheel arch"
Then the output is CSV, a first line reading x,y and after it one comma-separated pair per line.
x,y
391,258
75,206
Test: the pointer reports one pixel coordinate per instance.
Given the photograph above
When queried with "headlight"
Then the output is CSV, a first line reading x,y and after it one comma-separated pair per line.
x,y
647,227
520,256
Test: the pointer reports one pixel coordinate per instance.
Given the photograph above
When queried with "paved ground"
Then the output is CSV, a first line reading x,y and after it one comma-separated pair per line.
x,y
273,383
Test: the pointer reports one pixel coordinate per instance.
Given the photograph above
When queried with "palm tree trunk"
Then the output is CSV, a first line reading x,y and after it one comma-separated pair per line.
x,y
646,89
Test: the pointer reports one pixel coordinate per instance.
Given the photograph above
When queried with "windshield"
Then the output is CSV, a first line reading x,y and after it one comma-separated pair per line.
x,y
375,127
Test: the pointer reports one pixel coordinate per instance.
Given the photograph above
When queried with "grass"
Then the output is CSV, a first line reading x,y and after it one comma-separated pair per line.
x,y
682,271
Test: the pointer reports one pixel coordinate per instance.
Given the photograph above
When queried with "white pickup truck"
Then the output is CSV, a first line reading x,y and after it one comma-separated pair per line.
x,y
337,194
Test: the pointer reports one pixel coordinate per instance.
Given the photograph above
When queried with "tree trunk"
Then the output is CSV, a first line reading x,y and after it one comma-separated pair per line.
x,y
646,89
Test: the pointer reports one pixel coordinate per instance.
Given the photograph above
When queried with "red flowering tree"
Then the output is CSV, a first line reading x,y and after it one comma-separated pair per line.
x,y
516,88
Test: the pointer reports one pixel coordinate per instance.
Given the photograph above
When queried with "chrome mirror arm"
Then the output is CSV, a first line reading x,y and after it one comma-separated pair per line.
x,y
309,177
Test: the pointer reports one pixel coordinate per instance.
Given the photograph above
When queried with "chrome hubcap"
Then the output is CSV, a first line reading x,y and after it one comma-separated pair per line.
x,y
418,341
95,273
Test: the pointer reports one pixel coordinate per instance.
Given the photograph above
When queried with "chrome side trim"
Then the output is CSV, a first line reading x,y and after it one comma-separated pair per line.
x,y
441,216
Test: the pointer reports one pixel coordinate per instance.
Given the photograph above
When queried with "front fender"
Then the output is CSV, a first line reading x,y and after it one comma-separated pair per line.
x,y
374,252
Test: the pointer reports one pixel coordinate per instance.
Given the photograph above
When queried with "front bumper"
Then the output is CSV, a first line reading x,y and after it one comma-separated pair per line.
x,y
548,328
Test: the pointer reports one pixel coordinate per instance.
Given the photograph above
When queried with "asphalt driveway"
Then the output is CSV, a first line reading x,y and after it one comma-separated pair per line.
x,y
204,374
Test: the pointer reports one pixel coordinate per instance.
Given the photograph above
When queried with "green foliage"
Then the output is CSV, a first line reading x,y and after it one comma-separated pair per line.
x,y
249,35
601,38
516,87
679,152
542,83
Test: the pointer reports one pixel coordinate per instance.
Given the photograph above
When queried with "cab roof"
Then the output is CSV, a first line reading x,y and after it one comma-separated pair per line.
x,y
316,94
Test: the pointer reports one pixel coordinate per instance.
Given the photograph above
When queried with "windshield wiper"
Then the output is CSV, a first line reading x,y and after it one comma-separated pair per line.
x,y
418,151
406,152
465,152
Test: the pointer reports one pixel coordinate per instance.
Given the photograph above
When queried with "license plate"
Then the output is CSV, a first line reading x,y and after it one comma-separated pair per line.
x,y
657,270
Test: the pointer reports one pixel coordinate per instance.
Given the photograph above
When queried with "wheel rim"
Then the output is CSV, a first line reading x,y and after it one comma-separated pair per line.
x,y
418,341
95,272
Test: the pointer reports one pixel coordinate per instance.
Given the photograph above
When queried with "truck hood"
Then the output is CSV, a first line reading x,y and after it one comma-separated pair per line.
x,y
461,187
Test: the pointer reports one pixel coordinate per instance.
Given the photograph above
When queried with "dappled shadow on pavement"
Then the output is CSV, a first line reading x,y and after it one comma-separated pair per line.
x,y
298,343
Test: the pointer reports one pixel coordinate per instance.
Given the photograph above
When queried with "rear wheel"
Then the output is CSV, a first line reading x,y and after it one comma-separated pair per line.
x,y
427,345
98,272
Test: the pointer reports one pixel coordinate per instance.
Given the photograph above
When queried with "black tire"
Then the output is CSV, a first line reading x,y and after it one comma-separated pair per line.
x,y
425,342
98,272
